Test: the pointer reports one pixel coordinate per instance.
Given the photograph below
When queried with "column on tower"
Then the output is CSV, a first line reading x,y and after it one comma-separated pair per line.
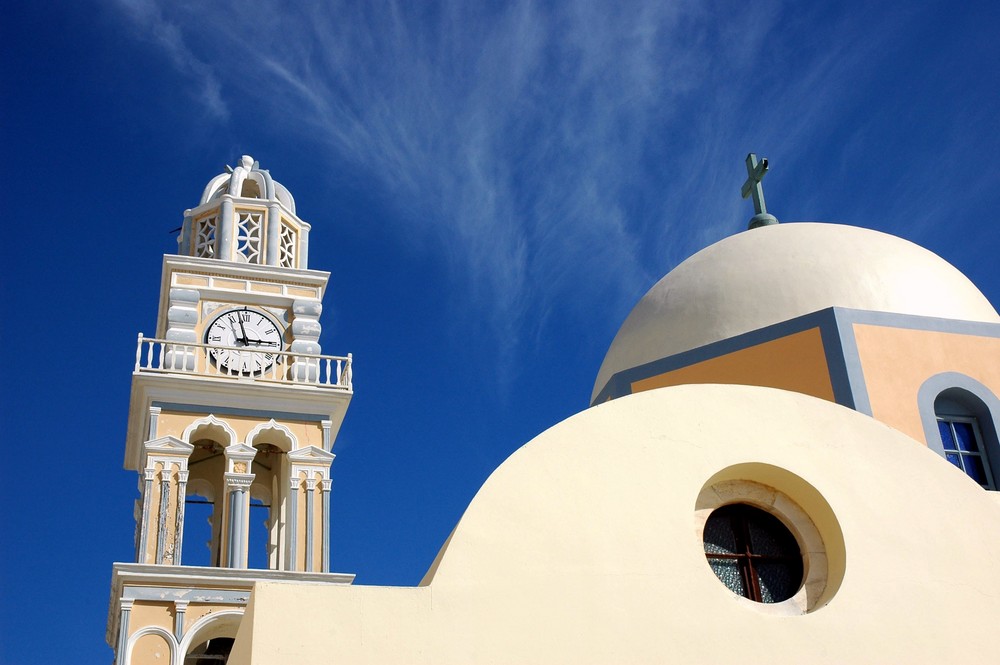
x,y
306,330
161,516
236,518
307,538
182,319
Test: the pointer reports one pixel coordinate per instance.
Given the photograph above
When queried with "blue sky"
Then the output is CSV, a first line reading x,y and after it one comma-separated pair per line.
x,y
492,186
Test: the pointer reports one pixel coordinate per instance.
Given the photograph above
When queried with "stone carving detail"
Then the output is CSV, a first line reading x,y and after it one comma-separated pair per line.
x,y
288,241
248,234
204,237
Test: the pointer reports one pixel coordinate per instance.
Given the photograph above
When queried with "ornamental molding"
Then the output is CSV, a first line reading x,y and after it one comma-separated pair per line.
x,y
176,263
209,422
240,452
211,625
175,392
169,446
311,455
238,480
275,426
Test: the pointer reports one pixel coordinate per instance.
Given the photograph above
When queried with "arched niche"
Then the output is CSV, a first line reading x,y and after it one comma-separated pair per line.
x,y
217,625
275,434
210,428
151,644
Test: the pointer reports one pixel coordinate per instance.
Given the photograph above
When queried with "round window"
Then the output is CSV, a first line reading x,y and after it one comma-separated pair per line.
x,y
753,553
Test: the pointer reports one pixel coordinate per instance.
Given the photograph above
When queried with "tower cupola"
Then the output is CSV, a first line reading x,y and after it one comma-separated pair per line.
x,y
246,216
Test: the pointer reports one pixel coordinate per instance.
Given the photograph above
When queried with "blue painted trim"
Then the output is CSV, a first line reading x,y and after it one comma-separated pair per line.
x,y
836,360
620,384
193,594
928,323
850,358
233,411
836,325
985,405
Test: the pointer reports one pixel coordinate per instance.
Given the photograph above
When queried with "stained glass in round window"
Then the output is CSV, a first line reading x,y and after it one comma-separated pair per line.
x,y
753,553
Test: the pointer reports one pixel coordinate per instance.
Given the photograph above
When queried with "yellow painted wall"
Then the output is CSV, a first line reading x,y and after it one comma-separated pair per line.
x,y
174,423
796,362
145,613
896,362
195,612
151,650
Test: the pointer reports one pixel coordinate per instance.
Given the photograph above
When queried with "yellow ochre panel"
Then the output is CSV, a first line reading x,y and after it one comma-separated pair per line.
x,y
190,280
796,362
896,362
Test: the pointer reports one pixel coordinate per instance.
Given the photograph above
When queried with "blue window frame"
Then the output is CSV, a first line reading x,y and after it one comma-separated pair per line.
x,y
963,446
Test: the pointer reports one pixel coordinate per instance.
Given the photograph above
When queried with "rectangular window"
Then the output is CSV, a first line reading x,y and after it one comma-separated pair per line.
x,y
963,447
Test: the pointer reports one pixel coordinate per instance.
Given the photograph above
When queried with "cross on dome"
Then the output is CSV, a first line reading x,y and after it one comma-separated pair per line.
x,y
753,187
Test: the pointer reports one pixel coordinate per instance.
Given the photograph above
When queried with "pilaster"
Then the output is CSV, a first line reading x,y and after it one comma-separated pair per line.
x,y
182,318
224,238
125,610
309,491
238,479
306,330
273,252
161,521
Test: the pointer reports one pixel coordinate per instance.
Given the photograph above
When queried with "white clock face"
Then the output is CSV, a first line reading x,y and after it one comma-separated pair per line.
x,y
241,329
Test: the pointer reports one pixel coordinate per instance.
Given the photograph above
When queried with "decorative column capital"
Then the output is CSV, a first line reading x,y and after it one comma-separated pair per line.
x,y
239,481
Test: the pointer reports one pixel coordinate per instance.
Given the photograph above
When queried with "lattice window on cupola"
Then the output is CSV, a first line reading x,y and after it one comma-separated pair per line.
x,y
248,233
204,237
288,242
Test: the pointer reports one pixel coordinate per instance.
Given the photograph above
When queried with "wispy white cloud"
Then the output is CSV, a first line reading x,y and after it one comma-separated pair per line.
x,y
545,149
149,22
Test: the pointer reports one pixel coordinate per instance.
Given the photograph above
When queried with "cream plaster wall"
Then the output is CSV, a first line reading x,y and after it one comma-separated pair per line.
x,y
896,362
584,547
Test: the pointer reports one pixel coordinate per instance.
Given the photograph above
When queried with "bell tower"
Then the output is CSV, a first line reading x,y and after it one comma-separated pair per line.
x,y
233,415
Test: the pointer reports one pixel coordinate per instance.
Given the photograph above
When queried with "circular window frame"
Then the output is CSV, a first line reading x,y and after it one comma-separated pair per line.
x,y
739,484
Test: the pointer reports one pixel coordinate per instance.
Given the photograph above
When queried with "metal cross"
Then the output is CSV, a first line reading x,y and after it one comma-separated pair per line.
x,y
755,173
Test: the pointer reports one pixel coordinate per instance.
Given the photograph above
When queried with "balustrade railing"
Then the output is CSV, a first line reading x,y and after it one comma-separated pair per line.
x,y
248,362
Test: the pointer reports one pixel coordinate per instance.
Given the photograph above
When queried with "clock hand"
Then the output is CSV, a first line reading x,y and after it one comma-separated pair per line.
x,y
240,319
236,334
261,342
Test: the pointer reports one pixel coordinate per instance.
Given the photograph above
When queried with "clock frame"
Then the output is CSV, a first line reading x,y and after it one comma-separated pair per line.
x,y
238,328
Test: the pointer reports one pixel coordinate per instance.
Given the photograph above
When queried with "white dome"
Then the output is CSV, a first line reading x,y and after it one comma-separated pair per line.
x,y
776,273
248,180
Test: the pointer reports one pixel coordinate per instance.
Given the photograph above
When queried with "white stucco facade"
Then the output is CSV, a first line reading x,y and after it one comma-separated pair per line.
x,y
585,546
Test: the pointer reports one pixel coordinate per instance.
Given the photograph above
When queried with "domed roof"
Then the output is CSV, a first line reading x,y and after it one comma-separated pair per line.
x,y
776,273
248,180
